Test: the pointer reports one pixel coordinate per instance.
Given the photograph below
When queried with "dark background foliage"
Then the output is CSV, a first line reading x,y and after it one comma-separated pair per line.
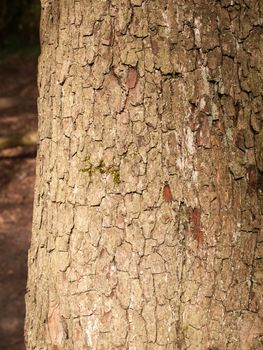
x,y
19,22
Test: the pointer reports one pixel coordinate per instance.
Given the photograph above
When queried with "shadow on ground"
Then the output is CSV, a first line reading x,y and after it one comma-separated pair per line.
x,y
18,95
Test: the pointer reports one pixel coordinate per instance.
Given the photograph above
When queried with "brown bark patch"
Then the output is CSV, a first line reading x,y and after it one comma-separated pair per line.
x,y
252,176
196,217
240,141
120,221
155,48
55,326
203,131
198,234
167,193
166,218
132,78
106,317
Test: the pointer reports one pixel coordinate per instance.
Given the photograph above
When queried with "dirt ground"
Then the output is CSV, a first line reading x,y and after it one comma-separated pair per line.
x,y
18,113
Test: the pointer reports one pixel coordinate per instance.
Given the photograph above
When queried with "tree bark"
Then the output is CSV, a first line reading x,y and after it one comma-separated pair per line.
x,y
146,229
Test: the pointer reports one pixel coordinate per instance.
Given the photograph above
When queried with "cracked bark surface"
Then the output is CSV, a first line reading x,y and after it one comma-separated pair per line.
x,y
147,228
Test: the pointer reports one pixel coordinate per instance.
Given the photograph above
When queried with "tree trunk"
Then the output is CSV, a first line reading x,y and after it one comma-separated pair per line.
x,y
146,230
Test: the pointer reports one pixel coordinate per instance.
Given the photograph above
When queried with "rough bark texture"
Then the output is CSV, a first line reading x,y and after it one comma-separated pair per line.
x,y
146,231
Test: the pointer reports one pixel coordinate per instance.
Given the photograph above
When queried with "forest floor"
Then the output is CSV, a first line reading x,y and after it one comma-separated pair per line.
x,y
18,113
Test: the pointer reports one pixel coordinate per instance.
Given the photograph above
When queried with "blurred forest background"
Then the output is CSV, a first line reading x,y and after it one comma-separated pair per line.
x,y
19,49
